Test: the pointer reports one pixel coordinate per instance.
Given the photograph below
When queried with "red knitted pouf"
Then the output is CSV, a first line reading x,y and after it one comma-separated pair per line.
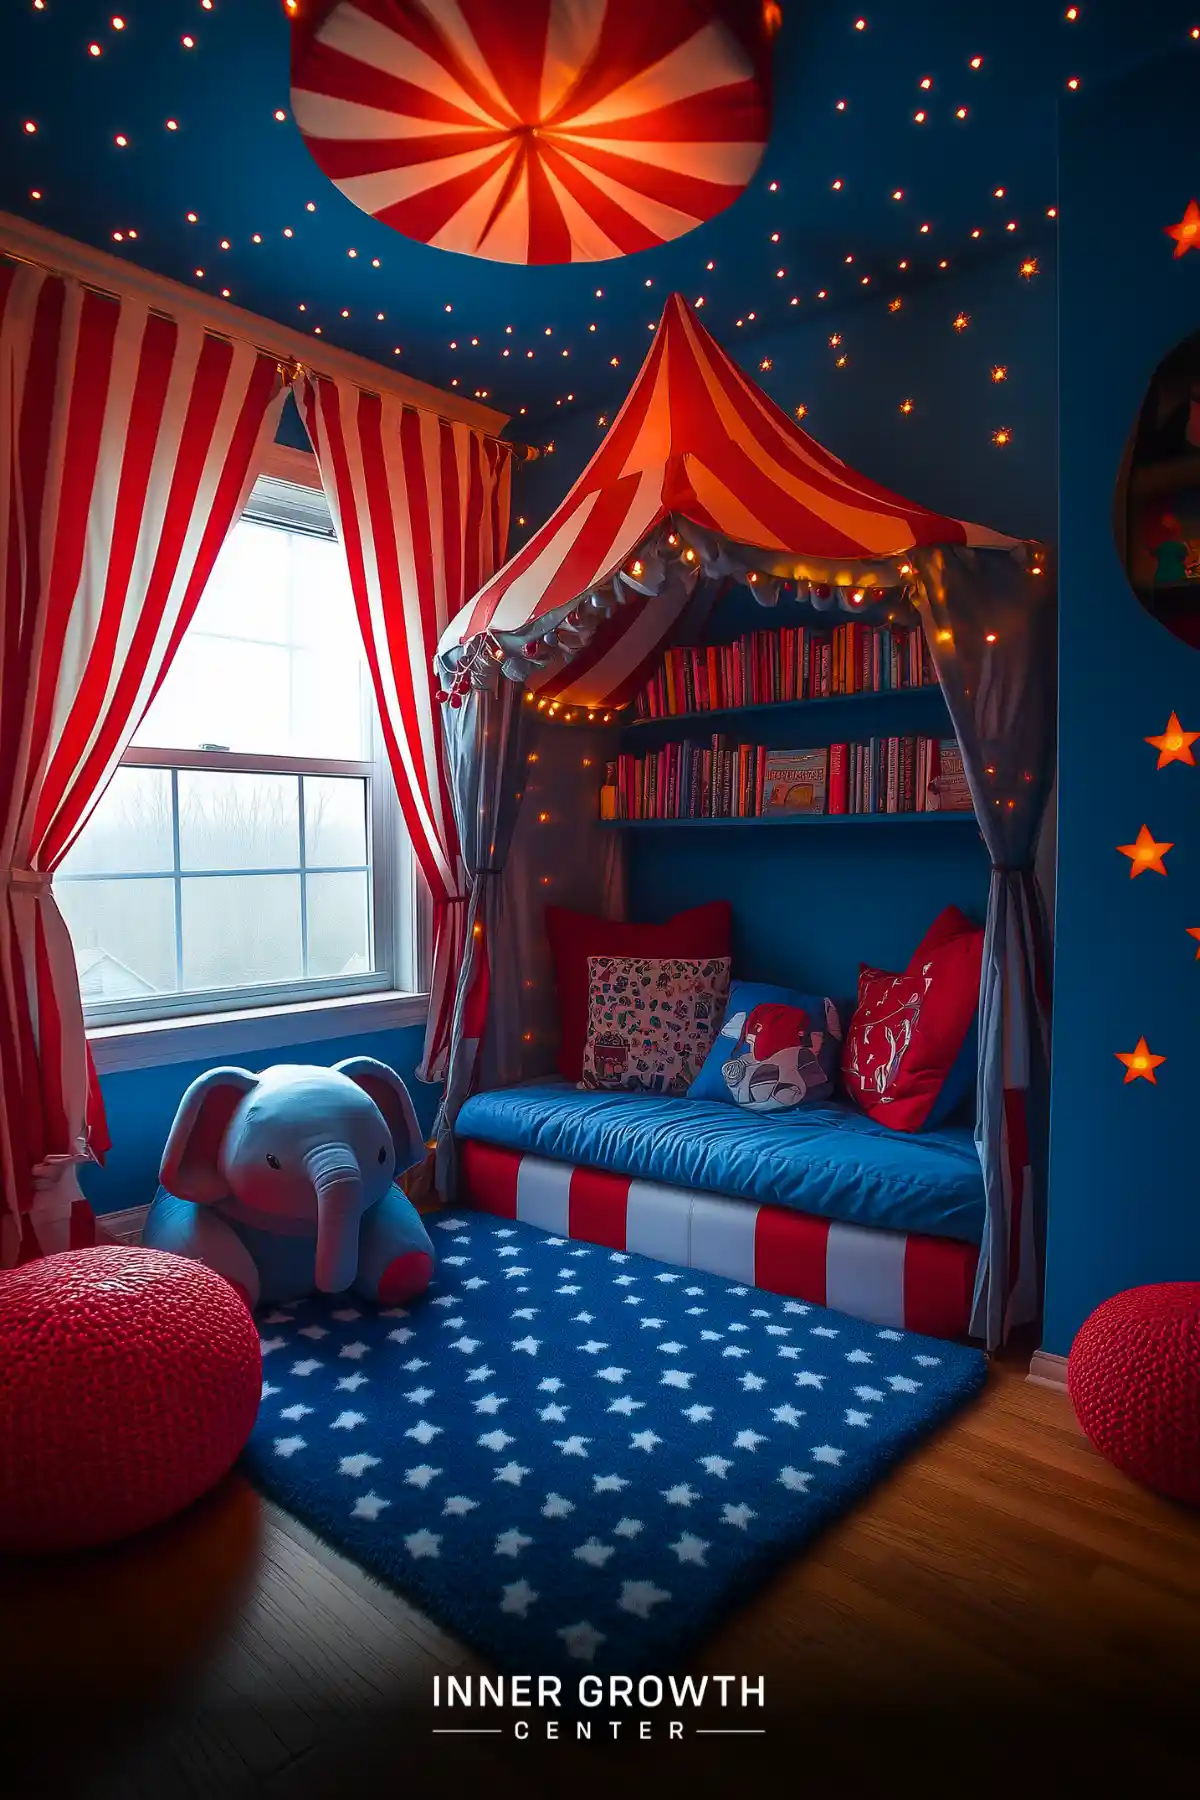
x,y
1134,1380
129,1382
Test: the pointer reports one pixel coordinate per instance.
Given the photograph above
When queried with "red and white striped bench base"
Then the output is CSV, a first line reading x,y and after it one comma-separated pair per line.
x,y
891,1278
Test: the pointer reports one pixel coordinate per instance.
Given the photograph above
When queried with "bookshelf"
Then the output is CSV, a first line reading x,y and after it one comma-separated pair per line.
x,y
778,821
768,709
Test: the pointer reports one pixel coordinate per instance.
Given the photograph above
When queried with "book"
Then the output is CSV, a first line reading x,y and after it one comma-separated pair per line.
x,y
948,790
794,781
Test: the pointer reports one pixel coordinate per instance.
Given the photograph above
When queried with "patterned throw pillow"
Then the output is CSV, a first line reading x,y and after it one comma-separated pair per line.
x,y
651,1020
776,1049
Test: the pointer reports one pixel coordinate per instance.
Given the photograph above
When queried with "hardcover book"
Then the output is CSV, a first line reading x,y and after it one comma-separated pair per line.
x,y
794,782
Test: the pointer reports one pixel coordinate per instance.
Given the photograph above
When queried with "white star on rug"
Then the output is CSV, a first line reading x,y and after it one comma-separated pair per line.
x,y
518,1598
513,1473
857,1418
870,1393
479,1374
859,1356
795,1480
289,1446
894,1337
752,1384
474,1281
313,1331
357,1466
350,1384
927,1362
306,1367
903,1384
528,1344
556,1507
551,1385
490,1403
825,1453
423,1543
458,1506
593,1347
682,1494
608,1484
346,1421
268,1388
594,1553
627,1528
582,1640
555,1414
652,1324
354,1351
666,1278
611,1374
512,1542
495,1440
806,1378
423,1431
644,1440
637,1597
670,1349
421,1476
698,1415
748,1440
739,1515
295,1413
716,1465
418,1362
624,1404
786,1415
823,1331
572,1446
419,1396
526,1312
368,1506
677,1378
466,1344
266,1345
690,1549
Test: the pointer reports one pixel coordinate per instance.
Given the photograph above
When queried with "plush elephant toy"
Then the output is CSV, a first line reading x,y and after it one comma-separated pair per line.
x,y
283,1182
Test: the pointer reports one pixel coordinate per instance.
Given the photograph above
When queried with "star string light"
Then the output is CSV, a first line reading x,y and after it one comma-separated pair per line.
x,y
1145,853
1187,232
1174,744
1140,1063
1193,931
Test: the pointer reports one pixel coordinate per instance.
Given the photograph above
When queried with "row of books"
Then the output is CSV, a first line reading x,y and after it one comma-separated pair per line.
x,y
794,663
724,780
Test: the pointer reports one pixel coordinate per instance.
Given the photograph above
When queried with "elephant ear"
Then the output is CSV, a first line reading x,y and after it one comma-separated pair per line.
x,y
390,1095
190,1168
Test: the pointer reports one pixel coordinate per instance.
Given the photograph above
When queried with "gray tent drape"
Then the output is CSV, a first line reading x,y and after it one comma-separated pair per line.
x,y
990,622
485,739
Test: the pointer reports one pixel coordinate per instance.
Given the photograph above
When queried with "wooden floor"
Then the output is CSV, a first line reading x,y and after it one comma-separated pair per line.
x,y
1005,1615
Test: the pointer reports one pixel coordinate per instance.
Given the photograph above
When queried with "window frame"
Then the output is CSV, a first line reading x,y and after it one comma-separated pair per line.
x,y
399,914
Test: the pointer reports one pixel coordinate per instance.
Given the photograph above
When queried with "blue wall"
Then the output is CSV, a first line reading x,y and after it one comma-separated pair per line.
x,y
1123,1202
141,1104
810,904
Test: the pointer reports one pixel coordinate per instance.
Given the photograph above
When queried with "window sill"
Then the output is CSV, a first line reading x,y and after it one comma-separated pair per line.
x,y
202,1036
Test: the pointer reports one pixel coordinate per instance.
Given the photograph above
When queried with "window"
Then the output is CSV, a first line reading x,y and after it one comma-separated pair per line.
x,y
249,849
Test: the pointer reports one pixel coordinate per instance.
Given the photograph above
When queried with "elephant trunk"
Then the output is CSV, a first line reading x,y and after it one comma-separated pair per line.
x,y
334,1173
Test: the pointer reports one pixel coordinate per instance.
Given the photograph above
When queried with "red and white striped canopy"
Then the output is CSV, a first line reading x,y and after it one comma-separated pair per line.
x,y
699,442
535,131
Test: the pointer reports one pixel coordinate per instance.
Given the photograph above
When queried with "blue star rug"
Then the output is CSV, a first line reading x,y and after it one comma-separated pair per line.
x,y
580,1459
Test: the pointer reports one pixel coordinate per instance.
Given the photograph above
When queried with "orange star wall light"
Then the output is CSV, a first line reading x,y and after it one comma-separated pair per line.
x,y
1174,744
1187,232
1140,1064
1145,853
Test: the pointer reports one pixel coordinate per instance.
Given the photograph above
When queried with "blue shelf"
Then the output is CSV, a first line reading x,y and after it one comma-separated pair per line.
x,y
904,695
934,818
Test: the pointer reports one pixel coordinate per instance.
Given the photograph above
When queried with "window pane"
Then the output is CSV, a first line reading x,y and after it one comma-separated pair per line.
x,y
239,930
273,659
229,821
335,820
337,925
124,936
130,829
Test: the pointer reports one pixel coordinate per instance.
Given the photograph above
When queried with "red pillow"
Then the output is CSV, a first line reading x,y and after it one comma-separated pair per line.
x,y
703,931
907,1030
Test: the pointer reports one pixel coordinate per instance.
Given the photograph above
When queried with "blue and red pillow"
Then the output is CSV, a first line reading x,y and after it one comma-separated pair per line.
x,y
910,1055
776,1049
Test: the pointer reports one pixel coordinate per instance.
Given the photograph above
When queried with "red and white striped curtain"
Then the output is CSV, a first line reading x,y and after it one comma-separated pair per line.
x,y
128,446
421,507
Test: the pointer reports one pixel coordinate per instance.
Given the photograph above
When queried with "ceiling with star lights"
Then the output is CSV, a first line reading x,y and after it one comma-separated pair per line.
x,y
909,138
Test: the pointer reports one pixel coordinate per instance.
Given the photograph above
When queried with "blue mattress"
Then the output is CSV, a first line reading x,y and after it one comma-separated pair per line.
x,y
829,1160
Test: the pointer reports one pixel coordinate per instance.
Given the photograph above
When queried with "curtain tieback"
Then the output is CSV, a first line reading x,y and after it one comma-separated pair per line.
x,y
1024,868
35,880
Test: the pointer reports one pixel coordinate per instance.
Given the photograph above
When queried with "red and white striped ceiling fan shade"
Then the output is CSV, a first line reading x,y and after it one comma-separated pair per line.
x,y
536,131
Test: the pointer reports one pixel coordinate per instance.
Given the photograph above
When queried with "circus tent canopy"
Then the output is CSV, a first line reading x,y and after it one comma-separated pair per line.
x,y
699,474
